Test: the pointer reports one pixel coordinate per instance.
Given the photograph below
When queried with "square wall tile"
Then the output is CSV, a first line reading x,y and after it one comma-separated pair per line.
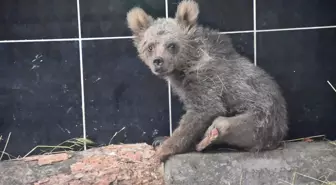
x,y
40,99
243,43
295,13
38,19
125,103
302,62
228,15
107,18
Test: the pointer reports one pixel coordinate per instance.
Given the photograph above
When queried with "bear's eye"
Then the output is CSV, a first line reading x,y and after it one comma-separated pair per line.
x,y
150,48
171,46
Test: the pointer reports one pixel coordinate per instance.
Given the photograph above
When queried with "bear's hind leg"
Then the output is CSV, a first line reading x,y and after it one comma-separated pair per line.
x,y
237,131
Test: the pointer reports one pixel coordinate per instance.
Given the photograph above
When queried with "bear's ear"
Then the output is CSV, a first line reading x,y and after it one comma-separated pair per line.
x,y
187,13
138,20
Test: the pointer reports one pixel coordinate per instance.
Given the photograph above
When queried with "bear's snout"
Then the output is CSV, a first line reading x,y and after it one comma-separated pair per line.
x,y
158,64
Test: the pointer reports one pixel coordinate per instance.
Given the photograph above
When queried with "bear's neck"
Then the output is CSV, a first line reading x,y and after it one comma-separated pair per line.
x,y
178,82
176,78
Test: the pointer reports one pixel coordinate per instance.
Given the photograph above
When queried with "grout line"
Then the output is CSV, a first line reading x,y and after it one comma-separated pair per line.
x,y
39,40
278,30
169,87
255,31
166,8
170,109
107,38
129,37
66,39
296,29
331,86
81,72
236,32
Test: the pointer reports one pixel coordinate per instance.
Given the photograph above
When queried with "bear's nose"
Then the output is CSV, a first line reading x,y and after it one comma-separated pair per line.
x,y
158,62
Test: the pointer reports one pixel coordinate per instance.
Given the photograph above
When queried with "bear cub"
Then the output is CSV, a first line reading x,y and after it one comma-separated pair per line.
x,y
218,87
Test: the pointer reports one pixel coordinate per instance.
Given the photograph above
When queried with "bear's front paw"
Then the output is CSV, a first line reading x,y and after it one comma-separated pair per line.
x,y
163,153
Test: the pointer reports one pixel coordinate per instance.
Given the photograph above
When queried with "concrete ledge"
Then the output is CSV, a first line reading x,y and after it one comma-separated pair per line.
x,y
135,164
300,161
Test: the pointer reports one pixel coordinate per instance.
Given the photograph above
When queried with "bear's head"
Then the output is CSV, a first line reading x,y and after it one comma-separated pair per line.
x,y
165,44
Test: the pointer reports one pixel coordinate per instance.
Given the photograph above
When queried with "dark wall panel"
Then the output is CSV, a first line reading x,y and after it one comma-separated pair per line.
x,y
302,62
121,92
39,94
107,18
38,19
228,15
295,13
